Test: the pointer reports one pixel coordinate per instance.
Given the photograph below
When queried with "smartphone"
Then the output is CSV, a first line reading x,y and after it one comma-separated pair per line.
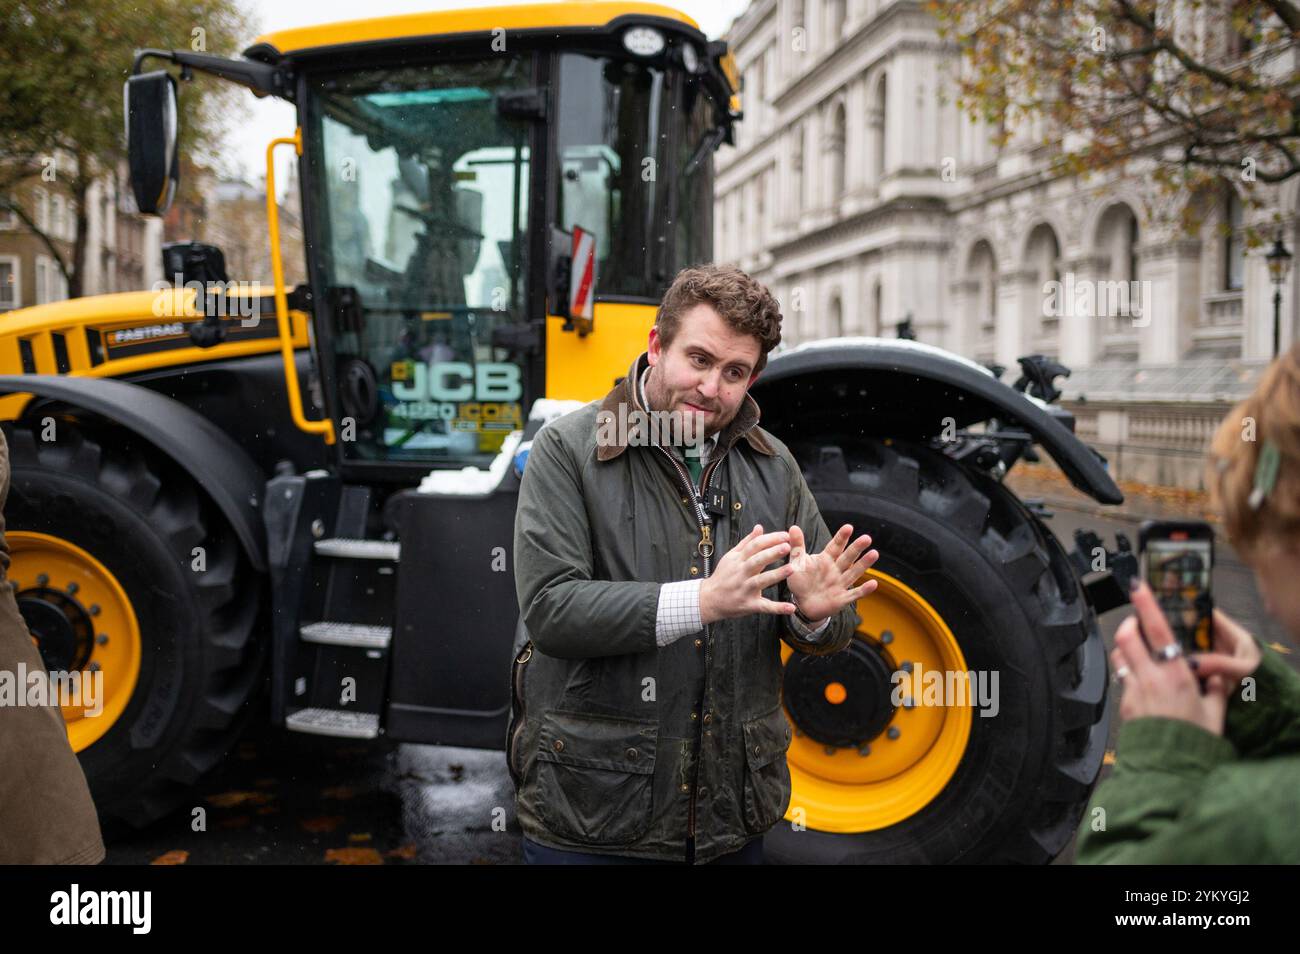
x,y
1176,560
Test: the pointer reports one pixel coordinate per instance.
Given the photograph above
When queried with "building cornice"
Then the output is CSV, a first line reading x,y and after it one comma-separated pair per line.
x,y
902,13
874,217
748,23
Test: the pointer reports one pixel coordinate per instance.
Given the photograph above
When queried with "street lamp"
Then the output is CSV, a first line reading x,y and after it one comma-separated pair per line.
x,y
1279,263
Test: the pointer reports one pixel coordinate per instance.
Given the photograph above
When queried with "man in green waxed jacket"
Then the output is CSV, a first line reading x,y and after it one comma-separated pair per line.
x,y
665,546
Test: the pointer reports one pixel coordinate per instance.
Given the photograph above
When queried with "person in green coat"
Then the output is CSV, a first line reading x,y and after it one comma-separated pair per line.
x,y
1214,777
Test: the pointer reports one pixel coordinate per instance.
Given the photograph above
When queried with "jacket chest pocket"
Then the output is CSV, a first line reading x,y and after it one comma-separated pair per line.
x,y
595,777
767,775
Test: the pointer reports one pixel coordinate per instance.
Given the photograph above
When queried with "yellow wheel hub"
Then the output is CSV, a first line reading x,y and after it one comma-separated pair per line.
x,y
902,769
82,621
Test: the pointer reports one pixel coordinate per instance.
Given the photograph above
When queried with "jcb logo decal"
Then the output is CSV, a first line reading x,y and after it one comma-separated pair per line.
x,y
457,381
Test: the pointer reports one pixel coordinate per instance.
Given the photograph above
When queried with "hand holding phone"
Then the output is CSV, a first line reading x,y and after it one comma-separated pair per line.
x,y
1176,560
1236,654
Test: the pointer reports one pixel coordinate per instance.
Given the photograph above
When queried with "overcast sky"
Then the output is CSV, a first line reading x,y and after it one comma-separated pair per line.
x,y
268,118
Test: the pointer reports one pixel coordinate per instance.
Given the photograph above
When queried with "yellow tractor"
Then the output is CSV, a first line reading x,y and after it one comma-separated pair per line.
x,y
219,491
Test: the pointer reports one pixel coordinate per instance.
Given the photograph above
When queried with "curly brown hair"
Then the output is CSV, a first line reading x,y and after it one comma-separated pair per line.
x,y
743,303
1271,415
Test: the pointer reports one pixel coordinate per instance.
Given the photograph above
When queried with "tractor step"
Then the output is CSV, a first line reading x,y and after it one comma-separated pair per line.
x,y
359,549
335,722
347,634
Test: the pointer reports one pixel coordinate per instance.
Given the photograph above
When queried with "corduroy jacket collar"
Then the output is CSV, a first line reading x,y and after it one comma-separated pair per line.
x,y
744,424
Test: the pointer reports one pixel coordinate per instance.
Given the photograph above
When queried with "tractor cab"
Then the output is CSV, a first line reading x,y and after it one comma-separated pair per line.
x,y
446,171
493,202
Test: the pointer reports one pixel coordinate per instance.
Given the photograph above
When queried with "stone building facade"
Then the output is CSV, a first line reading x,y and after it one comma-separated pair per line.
x,y
123,248
863,197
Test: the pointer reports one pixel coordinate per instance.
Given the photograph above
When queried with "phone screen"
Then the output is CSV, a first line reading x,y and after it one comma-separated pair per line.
x,y
1178,572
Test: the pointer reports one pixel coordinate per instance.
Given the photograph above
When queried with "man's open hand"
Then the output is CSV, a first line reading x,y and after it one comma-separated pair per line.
x,y
823,583
737,584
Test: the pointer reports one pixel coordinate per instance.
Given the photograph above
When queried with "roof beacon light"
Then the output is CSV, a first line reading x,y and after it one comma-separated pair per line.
x,y
643,41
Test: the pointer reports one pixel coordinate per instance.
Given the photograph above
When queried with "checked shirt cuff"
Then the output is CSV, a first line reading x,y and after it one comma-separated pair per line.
x,y
679,611
679,614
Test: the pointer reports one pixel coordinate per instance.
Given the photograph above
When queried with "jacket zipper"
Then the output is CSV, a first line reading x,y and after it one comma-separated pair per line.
x,y
517,712
705,550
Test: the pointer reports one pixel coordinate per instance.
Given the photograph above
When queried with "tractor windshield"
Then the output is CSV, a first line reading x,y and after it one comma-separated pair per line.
x,y
422,185
626,173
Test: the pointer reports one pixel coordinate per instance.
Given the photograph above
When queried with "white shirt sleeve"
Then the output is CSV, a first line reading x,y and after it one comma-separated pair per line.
x,y
679,614
679,611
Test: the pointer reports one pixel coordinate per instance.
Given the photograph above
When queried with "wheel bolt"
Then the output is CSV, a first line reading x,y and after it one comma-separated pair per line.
x,y
886,637
72,588
94,667
906,666
830,750
864,750
94,609
101,639
42,579
893,732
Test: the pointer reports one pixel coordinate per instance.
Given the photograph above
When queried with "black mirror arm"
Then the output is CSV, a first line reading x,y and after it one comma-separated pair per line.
x,y
262,78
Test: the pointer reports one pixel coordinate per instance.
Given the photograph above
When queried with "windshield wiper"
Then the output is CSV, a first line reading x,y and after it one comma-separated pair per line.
x,y
710,141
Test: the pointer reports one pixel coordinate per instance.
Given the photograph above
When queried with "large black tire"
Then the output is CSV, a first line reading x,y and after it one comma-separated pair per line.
x,y
1005,588
201,662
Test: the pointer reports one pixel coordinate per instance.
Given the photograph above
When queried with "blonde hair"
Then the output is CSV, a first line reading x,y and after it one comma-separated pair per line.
x,y
1270,416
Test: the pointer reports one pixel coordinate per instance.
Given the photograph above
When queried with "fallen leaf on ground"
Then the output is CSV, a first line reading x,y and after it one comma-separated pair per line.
x,y
405,852
321,823
177,856
231,799
354,856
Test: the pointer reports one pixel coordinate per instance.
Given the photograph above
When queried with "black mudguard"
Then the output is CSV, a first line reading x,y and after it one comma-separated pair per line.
x,y
217,464
882,387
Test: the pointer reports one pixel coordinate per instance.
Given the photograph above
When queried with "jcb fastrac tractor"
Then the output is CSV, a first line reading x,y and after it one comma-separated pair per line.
x,y
204,502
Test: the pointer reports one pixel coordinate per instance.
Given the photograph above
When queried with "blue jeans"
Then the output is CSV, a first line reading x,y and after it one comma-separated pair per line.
x,y
535,854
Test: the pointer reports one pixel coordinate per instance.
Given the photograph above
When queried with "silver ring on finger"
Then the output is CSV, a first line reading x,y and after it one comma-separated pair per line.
x,y
1171,651
1121,673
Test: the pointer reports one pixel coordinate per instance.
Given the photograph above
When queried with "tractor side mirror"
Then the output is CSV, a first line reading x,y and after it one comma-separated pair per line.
x,y
152,128
559,265
571,278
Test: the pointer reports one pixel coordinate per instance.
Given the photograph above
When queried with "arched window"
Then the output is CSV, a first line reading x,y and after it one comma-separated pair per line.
x,y
1043,256
1132,248
879,115
1116,243
982,276
837,148
1234,249
877,308
796,165
835,318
